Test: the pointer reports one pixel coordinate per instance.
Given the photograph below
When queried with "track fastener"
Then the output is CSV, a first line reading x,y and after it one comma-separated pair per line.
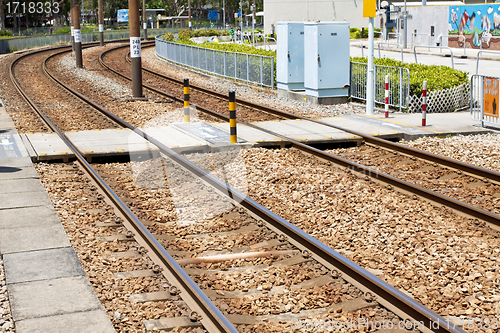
x,y
194,316
173,290
335,274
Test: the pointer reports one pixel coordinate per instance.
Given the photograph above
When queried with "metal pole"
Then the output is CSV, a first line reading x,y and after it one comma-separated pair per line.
x,y
253,24
224,14
187,115
386,96
424,104
72,16
101,23
232,117
135,47
370,76
78,34
189,14
405,22
144,20
241,21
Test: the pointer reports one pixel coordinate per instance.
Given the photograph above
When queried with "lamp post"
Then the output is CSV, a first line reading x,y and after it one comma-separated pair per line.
x,y
101,23
144,20
189,14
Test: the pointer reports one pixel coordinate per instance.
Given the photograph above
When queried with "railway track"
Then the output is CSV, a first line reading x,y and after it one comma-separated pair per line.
x,y
467,189
287,250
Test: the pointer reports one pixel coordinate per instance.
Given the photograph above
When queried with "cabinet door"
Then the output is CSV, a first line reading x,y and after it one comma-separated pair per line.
x,y
333,54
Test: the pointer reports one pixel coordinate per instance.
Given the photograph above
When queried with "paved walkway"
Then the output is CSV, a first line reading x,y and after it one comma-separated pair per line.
x,y
47,286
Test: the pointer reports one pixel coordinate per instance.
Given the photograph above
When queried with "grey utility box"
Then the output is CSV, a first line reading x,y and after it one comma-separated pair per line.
x,y
326,59
290,55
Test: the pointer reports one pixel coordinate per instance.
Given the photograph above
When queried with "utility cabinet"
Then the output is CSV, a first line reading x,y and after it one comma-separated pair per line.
x,y
290,55
326,59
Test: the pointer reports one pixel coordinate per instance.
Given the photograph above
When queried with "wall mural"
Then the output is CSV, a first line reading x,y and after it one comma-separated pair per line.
x,y
474,22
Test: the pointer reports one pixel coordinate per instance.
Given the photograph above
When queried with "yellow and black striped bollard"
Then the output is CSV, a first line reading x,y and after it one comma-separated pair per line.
x,y
187,117
232,117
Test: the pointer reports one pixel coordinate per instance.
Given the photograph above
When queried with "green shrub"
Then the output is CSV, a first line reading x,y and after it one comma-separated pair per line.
x,y
437,77
184,35
169,37
6,33
356,33
63,30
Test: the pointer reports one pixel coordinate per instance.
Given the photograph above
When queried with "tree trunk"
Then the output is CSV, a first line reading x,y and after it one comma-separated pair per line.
x,y
2,15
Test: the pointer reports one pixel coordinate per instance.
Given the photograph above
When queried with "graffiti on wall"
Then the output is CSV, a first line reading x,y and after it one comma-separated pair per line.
x,y
473,22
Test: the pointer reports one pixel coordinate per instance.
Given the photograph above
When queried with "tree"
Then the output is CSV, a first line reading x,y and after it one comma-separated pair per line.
x,y
2,15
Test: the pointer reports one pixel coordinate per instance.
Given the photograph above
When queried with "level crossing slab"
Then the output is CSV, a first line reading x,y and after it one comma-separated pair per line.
x,y
383,130
253,135
110,142
308,132
440,123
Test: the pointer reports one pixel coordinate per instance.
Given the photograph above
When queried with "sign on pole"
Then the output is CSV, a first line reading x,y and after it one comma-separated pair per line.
x,y
369,8
213,15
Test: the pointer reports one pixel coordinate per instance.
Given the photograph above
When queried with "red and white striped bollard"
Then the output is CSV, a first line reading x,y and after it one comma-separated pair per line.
x,y
424,103
387,96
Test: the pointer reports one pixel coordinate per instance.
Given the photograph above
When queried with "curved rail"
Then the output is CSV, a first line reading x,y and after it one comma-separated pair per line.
x,y
434,47
421,154
441,199
213,317
388,296
387,43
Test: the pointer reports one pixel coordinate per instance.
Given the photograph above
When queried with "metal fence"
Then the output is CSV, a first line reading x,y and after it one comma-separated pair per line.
x,y
484,99
240,66
399,84
22,43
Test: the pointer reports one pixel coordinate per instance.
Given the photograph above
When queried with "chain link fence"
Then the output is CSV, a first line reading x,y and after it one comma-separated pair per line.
x,y
22,43
240,66
399,84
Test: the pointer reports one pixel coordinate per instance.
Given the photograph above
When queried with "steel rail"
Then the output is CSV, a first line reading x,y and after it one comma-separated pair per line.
x,y
390,297
214,320
445,161
436,197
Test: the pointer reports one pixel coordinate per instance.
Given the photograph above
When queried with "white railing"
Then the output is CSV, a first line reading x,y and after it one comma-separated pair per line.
x,y
394,44
482,99
440,39
420,34
239,66
434,47
362,47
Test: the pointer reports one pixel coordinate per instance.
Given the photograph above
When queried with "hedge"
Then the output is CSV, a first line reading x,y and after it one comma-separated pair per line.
x,y
437,77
